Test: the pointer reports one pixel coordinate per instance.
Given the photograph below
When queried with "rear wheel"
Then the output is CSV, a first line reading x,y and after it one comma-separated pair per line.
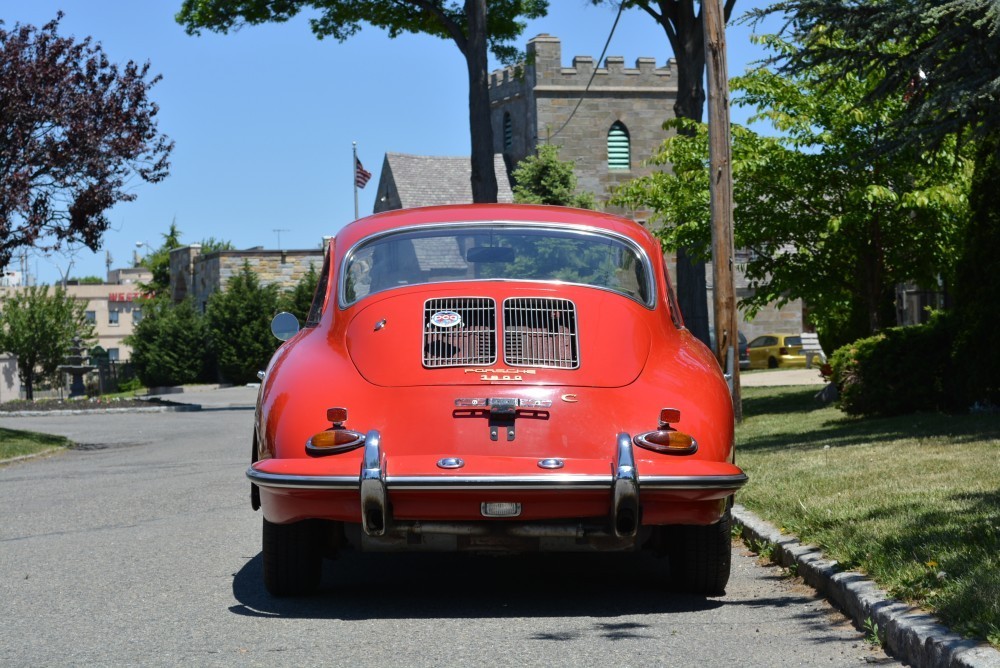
x,y
293,557
700,557
772,363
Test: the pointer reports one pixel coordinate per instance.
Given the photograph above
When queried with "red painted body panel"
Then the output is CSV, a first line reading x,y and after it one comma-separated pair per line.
x,y
634,360
391,356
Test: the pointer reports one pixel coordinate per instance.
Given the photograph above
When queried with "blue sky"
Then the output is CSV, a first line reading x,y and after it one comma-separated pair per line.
x,y
263,119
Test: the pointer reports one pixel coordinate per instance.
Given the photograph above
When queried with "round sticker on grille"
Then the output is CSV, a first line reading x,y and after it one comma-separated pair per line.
x,y
446,319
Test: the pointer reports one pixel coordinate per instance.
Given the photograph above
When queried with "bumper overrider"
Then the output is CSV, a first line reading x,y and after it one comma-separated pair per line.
x,y
623,482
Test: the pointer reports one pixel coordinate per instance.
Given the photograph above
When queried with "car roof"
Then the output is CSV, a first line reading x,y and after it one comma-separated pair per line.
x,y
582,218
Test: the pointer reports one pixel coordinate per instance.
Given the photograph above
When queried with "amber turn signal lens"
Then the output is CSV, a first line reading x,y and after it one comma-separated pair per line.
x,y
667,442
333,441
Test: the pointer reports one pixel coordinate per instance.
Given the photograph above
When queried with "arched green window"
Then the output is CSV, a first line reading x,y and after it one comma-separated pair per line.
x,y
508,131
618,147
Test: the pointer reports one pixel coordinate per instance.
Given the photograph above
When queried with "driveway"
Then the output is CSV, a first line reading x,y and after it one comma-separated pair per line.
x,y
140,548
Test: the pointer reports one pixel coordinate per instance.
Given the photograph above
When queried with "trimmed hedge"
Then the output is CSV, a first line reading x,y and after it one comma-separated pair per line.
x,y
901,370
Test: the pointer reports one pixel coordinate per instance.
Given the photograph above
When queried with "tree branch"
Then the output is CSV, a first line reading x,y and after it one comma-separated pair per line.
x,y
460,38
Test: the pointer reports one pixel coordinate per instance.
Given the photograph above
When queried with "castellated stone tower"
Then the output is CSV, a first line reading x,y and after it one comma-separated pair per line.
x,y
616,128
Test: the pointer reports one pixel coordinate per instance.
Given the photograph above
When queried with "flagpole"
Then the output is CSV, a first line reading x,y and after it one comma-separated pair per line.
x,y
354,178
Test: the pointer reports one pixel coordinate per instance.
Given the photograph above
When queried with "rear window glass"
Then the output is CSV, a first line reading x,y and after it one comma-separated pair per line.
x,y
793,340
495,252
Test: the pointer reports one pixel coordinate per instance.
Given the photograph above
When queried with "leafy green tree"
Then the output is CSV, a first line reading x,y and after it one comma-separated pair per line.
x,y
545,179
298,300
213,245
158,262
170,344
943,59
822,222
469,24
681,21
239,323
38,325
75,130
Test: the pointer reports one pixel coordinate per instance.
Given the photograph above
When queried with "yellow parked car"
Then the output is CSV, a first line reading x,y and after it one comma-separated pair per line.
x,y
771,351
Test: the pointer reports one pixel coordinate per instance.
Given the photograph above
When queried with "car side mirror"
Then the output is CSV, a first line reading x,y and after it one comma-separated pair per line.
x,y
284,326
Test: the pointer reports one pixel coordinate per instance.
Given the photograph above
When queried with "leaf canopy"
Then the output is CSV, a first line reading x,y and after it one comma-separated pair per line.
x,y
75,130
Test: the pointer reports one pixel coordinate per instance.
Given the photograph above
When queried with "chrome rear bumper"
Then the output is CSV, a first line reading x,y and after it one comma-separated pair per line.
x,y
624,484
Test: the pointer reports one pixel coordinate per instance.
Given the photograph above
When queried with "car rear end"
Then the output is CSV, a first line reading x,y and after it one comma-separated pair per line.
x,y
502,409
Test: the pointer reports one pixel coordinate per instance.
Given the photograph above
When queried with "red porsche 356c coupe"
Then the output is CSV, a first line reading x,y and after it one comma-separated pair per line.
x,y
493,377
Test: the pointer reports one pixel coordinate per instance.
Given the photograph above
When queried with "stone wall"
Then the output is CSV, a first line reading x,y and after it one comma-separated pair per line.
x,y
199,276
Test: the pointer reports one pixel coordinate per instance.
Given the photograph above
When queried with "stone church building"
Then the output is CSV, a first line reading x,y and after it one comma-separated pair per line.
x,y
606,120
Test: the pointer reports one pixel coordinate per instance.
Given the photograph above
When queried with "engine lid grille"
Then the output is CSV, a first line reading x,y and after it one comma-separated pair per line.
x,y
459,331
540,332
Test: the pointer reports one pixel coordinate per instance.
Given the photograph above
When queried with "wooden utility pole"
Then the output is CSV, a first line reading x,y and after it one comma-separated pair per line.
x,y
721,197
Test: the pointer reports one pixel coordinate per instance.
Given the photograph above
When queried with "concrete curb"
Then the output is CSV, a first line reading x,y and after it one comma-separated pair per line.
x,y
33,455
912,636
102,411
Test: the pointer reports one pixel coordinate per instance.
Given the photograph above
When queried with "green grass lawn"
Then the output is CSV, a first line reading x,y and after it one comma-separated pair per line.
x,y
913,501
15,443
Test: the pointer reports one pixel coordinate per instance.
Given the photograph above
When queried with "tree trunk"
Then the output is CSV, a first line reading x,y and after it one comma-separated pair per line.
x,y
484,180
689,52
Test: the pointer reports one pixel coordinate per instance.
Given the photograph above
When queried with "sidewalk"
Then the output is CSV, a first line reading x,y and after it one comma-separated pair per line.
x,y
240,396
773,377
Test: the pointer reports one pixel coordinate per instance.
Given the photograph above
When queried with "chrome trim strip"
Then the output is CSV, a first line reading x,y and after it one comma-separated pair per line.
x,y
650,304
291,481
625,493
554,481
544,482
373,496
679,482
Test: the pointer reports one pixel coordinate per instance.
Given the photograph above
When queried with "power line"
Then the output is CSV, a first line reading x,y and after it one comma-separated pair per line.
x,y
621,8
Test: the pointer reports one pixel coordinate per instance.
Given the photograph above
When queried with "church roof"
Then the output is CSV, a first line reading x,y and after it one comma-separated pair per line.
x,y
409,181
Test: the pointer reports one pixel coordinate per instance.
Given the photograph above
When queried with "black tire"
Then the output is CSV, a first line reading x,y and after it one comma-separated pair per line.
x,y
293,557
700,557
772,363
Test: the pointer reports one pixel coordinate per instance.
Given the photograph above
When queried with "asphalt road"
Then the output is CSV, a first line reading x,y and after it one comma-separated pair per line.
x,y
140,548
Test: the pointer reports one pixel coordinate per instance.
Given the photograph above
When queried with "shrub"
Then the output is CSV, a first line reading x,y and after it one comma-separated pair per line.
x,y
239,326
901,370
169,344
130,385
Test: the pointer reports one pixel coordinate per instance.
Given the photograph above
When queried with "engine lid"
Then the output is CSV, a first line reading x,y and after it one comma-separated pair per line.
x,y
573,337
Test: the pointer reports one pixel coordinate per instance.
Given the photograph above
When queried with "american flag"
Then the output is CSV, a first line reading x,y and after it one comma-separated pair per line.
x,y
361,175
